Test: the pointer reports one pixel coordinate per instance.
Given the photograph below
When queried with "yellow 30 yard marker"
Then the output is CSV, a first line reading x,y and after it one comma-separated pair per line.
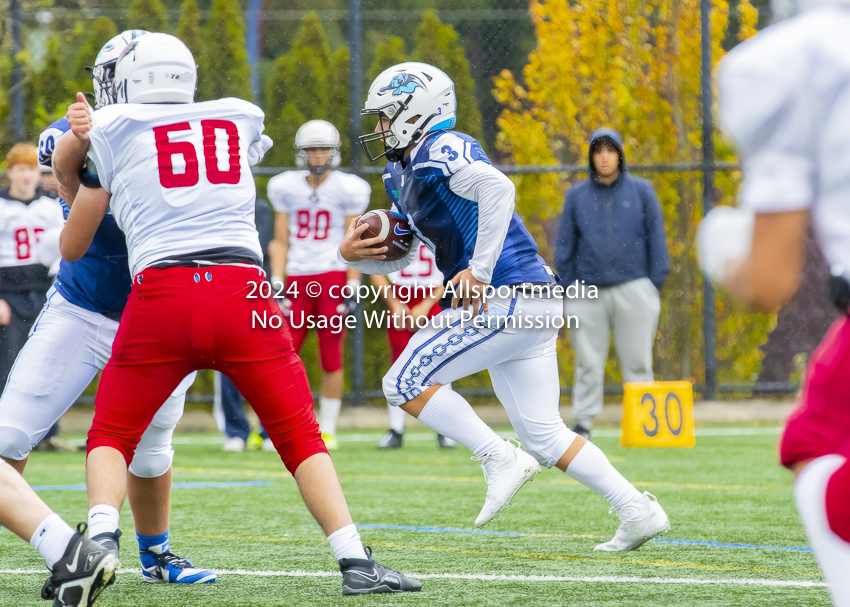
x,y
658,414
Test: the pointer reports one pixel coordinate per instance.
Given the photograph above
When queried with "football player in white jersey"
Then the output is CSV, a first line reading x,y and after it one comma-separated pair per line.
x,y
70,343
29,237
28,517
177,177
462,208
785,100
314,205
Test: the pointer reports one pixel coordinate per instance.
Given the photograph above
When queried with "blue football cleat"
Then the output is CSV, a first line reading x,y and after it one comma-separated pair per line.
x,y
168,568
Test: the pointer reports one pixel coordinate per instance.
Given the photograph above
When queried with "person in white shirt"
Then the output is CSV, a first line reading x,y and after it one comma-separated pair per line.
x,y
30,223
176,175
785,101
314,205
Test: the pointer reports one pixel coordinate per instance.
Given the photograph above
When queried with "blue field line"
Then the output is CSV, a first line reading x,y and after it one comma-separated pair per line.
x,y
520,533
173,486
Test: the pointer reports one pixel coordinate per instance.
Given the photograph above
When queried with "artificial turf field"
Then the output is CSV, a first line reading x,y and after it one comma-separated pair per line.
x,y
736,538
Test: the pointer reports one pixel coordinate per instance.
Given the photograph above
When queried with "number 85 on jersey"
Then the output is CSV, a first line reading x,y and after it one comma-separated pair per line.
x,y
658,414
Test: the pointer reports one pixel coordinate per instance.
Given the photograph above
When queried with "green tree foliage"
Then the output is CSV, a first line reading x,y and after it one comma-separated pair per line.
x,y
93,35
339,99
308,83
224,68
387,54
52,92
189,27
438,44
148,15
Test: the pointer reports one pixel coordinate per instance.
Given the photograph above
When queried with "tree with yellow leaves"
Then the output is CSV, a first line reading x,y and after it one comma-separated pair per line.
x,y
633,65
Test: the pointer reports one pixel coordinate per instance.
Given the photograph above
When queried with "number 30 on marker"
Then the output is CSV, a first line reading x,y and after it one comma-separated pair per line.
x,y
658,414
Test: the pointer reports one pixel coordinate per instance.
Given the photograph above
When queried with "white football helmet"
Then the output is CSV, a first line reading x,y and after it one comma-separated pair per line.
x,y
317,134
103,71
417,98
783,9
156,68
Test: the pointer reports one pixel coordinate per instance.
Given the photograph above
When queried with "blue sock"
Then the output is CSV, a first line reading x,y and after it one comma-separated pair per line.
x,y
148,544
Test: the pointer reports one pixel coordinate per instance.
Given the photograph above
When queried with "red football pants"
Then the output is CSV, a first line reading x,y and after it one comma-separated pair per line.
x,y
180,320
326,304
821,423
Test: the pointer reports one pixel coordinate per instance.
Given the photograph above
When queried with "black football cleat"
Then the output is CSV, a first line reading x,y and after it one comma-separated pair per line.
x,y
391,440
365,576
109,541
78,578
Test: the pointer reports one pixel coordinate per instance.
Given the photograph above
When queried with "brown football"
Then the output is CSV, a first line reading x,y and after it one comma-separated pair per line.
x,y
392,228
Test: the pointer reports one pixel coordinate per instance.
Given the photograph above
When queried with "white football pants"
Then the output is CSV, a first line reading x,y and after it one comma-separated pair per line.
x,y
832,552
67,346
521,361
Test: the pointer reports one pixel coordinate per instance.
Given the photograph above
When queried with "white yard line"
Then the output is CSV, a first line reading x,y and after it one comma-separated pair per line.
x,y
416,436
481,577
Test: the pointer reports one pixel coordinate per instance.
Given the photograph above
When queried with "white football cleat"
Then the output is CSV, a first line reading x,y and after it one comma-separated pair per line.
x,y
234,444
504,477
642,519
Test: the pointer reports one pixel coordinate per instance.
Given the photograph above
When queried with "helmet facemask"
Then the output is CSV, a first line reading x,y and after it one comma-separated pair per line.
x,y
389,142
103,81
303,162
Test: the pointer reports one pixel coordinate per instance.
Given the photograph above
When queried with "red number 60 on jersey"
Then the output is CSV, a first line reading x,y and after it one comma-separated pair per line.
x,y
166,150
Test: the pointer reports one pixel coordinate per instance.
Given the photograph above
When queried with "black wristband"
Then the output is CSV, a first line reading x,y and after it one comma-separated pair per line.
x,y
89,180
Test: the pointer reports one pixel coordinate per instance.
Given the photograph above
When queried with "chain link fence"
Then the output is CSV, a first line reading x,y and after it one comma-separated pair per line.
x,y
493,40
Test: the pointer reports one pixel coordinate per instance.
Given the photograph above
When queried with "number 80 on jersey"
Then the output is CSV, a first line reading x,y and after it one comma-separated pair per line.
x,y
658,414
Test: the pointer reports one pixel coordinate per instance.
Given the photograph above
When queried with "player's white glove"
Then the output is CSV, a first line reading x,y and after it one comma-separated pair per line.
x,y
258,149
725,234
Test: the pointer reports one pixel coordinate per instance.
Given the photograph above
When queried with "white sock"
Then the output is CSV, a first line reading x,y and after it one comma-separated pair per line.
x,y
346,544
328,414
448,413
51,538
592,469
397,415
103,519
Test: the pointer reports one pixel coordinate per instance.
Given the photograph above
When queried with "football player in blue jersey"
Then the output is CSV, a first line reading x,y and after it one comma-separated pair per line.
x,y
462,208
69,342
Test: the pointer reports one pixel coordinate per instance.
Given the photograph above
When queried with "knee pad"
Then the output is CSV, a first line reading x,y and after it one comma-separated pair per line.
x,y
14,443
298,444
154,453
547,441
151,462
399,391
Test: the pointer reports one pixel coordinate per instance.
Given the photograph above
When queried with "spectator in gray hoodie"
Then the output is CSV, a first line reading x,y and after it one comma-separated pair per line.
x,y
612,237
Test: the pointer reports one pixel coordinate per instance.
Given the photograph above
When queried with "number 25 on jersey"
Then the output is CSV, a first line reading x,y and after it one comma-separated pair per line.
x,y
167,149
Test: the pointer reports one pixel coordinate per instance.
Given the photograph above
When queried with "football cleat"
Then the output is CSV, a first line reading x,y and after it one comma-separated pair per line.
x,y
234,444
110,542
78,578
268,445
642,519
391,440
504,476
444,442
365,576
254,442
330,441
168,568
